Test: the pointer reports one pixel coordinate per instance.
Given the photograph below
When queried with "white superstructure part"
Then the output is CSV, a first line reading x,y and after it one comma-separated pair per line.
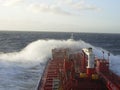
x,y
91,57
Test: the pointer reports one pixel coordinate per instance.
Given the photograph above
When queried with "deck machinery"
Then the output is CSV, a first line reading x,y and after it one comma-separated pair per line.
x,y
78,71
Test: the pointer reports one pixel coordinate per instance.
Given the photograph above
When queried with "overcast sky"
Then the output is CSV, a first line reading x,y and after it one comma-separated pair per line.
x,y
60,15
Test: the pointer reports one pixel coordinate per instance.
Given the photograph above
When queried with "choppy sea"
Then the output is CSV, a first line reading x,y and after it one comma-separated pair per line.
x,y
23,55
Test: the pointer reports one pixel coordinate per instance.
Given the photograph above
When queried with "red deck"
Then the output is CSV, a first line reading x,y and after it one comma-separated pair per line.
x,y
68,71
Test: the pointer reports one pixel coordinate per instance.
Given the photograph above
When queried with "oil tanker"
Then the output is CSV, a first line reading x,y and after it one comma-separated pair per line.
x,y
82,70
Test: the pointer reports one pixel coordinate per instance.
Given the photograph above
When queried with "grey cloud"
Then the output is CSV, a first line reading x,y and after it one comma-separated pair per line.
x,y
47,8
11,2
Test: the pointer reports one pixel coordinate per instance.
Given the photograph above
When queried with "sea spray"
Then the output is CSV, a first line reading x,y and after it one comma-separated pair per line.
x,y
40,50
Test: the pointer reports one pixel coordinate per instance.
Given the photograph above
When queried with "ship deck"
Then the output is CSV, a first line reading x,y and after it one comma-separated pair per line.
x,y
67,71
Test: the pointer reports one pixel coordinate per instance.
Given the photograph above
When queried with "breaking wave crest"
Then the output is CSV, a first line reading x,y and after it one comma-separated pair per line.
x,y
40,50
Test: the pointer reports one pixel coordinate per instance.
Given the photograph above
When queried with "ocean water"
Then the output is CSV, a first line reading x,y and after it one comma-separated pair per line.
x,y
23,55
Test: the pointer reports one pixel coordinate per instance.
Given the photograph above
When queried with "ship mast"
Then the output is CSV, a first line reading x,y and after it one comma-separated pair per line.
x,y
72,37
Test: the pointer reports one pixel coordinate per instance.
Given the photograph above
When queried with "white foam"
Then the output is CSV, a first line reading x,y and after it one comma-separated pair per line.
x,y
40,50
